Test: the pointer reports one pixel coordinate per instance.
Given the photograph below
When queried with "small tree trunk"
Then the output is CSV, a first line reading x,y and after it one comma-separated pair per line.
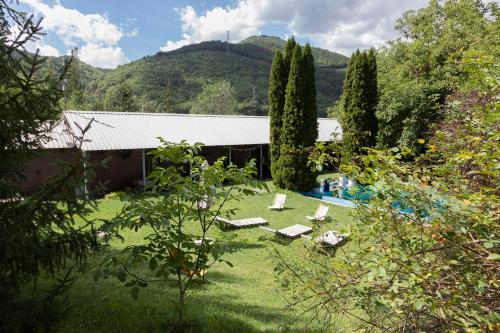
x,y
182,291
181,310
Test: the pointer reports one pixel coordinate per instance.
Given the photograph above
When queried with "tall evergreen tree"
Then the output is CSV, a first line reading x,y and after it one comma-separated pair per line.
x,y
74,92
125,99
294,171
293,116
287,56
168,98
310,130
358,103
39,232
277,88
371,96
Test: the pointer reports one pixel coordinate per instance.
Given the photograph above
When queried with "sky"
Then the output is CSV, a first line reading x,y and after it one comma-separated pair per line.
x,y
109,33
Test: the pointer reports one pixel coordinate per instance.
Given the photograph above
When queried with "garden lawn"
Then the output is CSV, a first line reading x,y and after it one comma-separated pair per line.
x,y
242,298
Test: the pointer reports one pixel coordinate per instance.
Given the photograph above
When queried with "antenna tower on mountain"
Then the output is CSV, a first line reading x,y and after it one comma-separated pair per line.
x,y
227,42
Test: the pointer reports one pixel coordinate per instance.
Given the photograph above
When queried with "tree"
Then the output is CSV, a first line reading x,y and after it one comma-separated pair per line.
x,y
277,86
168,97
121,98
125,99
46,232
74,98
287,56
310,130
216,98
424,253
293,162
177,247
358,105
419,70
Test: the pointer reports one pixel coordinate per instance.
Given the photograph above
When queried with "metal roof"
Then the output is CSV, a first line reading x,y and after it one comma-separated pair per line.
x,y
59,137
127,130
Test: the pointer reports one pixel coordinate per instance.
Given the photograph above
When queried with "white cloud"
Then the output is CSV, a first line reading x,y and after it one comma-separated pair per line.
x,y
94,34
102,56
242,21
46,50
338,25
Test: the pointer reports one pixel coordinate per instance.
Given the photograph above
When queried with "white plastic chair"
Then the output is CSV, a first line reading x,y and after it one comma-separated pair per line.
x,y
279,202
320,213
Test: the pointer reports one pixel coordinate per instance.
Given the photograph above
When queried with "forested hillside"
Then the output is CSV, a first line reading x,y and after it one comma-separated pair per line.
x,y
171,81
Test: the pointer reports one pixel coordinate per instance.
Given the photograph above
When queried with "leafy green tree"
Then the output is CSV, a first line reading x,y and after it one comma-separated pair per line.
x,y
418,71
177,247
121,98
251,107
216,98
424,254
293,161
358,105
147,104
125,99
310,130
277,87
334,111
46,232
74,94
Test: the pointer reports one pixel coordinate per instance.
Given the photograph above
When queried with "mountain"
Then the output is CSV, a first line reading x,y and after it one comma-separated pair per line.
x,y
322,57
245,65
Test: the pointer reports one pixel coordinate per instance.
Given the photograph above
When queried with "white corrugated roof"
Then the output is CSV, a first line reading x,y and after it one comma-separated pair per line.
x,y
126,130
59,137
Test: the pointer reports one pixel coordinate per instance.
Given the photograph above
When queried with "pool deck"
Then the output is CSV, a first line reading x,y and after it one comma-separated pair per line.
x,y
335,201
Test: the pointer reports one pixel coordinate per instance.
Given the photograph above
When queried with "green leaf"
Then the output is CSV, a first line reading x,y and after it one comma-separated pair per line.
x,y
134,292
122,276
153,263
418,304
488,245
493,257
97,275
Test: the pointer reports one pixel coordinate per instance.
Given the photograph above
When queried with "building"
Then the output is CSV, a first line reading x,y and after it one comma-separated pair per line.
x,y
123,139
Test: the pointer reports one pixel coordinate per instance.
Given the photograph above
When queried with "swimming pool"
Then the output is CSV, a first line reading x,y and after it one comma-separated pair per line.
x,y
350,197
355,193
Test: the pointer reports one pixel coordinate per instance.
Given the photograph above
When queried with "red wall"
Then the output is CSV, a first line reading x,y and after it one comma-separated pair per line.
x,y
123,168
45,165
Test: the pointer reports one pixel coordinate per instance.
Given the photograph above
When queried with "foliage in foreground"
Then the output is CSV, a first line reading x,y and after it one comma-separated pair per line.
x,y
39,233
424,254
419,70
185,191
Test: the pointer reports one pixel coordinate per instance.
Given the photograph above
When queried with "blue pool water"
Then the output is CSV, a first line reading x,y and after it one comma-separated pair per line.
x,y
356,194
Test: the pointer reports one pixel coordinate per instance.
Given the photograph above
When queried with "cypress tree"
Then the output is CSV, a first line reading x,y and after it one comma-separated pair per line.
x,y
358,104
294,171
287,55
310,131
293,116
372,97
277,87
124,99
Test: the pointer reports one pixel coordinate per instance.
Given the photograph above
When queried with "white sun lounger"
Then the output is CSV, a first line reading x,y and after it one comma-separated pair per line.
x,y
320,213
279,202
242,223
294,231
330,238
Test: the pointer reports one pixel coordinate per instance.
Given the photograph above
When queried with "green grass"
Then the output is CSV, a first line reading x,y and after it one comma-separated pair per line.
x,y
244,298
